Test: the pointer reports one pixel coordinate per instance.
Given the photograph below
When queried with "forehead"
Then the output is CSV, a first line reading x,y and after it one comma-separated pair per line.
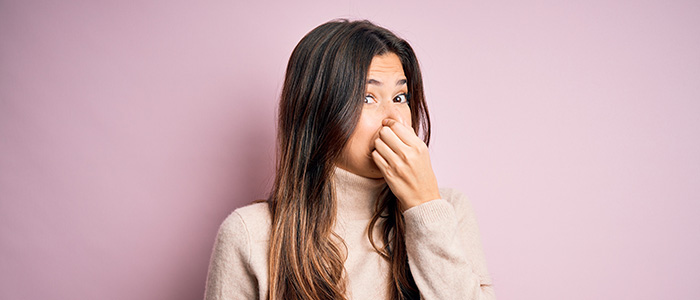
x,y
386,65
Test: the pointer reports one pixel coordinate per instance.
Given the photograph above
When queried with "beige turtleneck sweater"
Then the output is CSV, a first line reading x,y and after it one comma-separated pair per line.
x,y
442,240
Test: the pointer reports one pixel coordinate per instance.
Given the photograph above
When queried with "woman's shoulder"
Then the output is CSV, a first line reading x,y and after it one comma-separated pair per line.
x,y
237,251
255,212
252,220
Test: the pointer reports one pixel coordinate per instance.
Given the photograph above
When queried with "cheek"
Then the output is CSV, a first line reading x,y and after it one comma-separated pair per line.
x,y
366,131
362,140
406,116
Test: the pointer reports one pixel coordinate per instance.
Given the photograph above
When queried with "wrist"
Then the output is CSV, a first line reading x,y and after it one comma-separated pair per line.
x,y
410,203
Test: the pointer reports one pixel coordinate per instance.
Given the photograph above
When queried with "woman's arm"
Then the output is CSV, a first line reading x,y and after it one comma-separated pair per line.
x,y
442,240
444,249
229,274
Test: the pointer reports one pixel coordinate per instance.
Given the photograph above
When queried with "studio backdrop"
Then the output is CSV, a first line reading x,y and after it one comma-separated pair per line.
x,y
130,129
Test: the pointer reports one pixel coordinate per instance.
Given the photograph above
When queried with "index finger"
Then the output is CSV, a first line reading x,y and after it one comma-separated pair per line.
x,y
406,134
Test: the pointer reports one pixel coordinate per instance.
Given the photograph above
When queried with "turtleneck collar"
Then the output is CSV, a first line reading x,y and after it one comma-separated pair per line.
x,y
356,195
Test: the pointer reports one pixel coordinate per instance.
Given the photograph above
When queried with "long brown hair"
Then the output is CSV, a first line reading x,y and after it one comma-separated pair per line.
x,y
320,105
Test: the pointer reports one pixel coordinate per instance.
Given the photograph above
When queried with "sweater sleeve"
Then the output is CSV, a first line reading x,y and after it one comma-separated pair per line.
x,y
229,275
444,250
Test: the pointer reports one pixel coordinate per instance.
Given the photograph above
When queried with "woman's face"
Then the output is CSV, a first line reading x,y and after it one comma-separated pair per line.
x,y
385,98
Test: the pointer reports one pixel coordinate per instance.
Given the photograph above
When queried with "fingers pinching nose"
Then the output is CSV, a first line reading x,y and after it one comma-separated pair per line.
x,y
384,131
388,122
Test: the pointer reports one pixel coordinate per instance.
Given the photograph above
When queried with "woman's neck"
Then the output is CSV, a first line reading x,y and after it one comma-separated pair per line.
x,y
356,195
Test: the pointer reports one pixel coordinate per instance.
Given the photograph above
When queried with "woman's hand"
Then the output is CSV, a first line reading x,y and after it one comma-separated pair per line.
x,y
404,161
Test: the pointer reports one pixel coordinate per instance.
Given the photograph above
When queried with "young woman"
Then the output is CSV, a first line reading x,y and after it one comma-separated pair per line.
x,y
355,211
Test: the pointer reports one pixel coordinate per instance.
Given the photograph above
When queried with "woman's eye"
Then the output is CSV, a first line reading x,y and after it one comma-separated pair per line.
x,y
369,99
401,98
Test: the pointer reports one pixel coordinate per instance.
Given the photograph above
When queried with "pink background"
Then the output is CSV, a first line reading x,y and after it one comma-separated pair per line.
x,y
130,129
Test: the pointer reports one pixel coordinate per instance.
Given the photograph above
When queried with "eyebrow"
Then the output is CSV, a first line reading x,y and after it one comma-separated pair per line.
x,y
377,82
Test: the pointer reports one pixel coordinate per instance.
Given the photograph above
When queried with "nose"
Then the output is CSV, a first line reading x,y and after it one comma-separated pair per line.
x,y
392,111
